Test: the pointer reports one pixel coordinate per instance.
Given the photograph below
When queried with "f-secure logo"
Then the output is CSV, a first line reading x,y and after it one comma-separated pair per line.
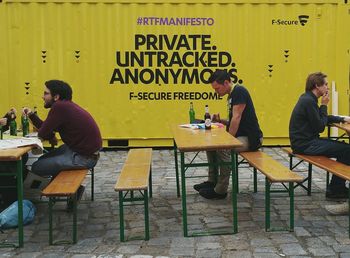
x,y
302,20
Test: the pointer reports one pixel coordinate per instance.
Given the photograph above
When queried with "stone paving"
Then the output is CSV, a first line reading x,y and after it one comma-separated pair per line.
x,y
316,233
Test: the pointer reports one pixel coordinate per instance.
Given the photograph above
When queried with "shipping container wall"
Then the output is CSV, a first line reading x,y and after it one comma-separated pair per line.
x,y
136,66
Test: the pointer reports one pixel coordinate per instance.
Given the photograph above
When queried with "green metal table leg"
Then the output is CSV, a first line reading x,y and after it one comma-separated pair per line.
x,y
121,216
236,172
290,162
267,204
176,171
234,191
146,215
132,194
75,218
183,187
50,221
19,177
291,211
255,180
150,182
92,183
327,180
309,180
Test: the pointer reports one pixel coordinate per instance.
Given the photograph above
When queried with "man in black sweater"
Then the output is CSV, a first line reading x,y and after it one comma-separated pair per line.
x,y
308,120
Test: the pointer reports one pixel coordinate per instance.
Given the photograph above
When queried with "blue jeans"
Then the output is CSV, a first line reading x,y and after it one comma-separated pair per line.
x,y
330,149
62,158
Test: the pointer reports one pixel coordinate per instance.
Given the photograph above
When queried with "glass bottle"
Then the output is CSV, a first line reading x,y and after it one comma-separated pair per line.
x,y
25,124
13,125
207,118
191,113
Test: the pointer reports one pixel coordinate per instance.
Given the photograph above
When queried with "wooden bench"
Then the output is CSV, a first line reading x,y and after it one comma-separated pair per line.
x,y
136,175
274,172
331,166
65,184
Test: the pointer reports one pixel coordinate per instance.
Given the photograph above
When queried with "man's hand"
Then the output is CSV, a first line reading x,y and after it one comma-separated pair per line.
x,y
26,111
215,118
53,141
325,99
3,121
12,111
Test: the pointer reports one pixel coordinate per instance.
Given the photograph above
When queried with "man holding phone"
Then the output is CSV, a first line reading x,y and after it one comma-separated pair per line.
x,y
308,120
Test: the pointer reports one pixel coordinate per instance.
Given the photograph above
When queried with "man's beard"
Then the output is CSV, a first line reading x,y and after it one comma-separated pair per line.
x,y
49,104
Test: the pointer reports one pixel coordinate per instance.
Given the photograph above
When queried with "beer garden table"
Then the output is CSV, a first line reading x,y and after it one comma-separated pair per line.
x,y
191,140
343,126
13,158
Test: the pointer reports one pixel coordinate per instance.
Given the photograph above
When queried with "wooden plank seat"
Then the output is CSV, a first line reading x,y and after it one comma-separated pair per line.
x,y
331,166
328,164
65,184
274,172
136,175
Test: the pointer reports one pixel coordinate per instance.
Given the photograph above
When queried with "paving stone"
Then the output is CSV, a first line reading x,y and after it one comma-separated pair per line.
x,y
321,251
301,232
315,233
292,249
240,254
265,255
128,249
261,242
29,255
208,253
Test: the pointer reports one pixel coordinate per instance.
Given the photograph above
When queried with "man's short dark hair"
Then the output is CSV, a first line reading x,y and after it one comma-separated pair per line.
x,y
314,79
60,88
220,76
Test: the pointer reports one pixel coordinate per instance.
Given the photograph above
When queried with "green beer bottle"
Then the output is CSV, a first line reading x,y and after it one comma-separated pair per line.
x,y
191,113
25,124
13,125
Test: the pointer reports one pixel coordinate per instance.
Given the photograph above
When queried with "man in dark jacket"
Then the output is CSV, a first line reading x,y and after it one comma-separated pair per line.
x,y
308,120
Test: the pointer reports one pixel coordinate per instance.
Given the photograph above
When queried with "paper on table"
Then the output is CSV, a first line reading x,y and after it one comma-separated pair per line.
x,y
21,142
202,126
346,117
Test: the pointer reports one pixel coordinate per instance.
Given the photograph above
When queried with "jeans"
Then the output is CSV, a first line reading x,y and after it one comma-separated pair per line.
x,y
223,178
330,149
62,158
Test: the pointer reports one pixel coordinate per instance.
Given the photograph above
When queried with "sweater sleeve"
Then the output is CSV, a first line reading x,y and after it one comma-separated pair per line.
x,y
37,122
50,125
335,119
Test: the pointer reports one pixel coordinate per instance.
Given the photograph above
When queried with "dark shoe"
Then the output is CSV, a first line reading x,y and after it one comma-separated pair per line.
x,y
80,192
341,193
209,193
203,185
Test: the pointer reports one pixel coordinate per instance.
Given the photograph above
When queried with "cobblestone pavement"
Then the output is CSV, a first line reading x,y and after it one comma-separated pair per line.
x,y
316,233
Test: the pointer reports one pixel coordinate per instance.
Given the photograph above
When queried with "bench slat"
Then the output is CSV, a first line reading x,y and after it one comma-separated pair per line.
x,y
139,156
66,183
325,163
136,171
271,168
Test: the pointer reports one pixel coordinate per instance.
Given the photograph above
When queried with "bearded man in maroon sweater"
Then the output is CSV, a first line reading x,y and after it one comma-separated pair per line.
x,y
78,130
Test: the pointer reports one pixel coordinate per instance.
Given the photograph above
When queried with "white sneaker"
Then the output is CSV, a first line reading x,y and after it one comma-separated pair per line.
x,y
338,209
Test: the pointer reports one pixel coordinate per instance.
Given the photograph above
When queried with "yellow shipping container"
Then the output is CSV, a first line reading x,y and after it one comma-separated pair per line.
x,y
136,65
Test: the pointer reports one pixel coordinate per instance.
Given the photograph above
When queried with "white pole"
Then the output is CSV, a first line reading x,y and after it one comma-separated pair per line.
x,y
334,130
